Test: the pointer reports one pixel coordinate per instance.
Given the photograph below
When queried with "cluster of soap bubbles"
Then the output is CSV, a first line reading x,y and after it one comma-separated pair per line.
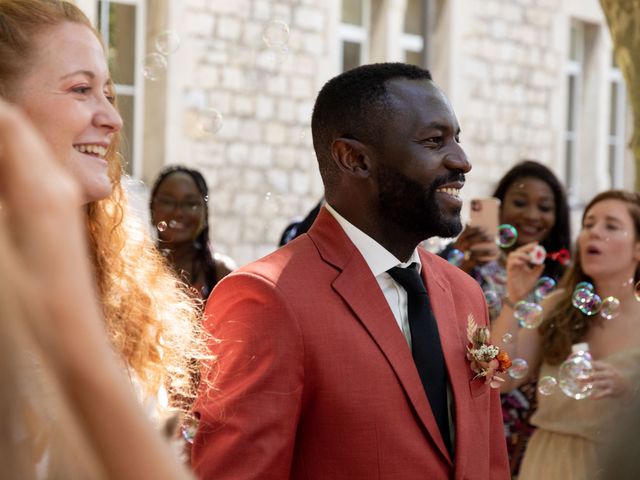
x,y
528,314
155,63
574,375
585,299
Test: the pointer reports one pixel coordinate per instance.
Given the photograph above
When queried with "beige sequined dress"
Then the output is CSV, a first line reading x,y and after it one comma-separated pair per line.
x,y
566,444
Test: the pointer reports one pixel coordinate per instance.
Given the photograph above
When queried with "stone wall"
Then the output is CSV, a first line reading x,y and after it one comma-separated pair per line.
x,y
259,165
510,71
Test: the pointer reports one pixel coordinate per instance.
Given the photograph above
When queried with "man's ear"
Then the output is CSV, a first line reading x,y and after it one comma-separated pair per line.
x,y
350,157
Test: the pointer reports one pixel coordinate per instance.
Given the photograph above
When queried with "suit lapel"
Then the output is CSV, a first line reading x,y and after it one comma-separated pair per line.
x,y
453,339
360,290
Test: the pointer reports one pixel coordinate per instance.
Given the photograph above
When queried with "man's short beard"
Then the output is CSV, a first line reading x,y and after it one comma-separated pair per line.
x,y
407,204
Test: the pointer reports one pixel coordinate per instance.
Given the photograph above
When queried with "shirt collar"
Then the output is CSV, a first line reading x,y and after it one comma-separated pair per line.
x,y
375,255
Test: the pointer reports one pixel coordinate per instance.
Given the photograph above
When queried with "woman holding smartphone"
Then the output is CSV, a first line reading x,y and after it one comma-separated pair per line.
x,y
533,201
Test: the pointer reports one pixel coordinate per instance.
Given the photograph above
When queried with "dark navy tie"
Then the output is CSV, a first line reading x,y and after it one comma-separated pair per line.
x,y
425,345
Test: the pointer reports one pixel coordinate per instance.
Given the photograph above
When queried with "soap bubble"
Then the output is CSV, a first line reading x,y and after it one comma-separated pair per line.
x,y
544,287
189,428
547,386
507,338
591,306
432,244
167,42
174,223
210,121
455,257
154,66
493,299
574,375
162,226
275,34
528,314
519,368
507,235
586,285
581,296
610,308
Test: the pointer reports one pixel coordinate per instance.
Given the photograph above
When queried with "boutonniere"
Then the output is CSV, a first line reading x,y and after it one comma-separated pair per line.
x,y
486,359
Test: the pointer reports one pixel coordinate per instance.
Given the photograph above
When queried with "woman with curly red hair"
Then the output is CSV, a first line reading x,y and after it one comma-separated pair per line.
x,y
55,69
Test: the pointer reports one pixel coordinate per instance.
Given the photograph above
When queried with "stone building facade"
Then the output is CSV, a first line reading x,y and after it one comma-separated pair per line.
x,y
527,78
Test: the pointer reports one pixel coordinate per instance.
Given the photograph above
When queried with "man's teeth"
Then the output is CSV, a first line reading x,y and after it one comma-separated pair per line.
x,y
451,191
98,150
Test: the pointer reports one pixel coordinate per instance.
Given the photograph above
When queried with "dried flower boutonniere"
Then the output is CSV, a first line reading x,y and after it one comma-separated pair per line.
x,y
486,359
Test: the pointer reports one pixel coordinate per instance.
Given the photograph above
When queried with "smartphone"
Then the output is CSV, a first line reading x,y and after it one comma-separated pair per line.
x,y
485,212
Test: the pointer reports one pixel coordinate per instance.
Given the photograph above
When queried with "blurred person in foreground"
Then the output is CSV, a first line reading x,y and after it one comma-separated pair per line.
x,y
343,354
55,69
67,407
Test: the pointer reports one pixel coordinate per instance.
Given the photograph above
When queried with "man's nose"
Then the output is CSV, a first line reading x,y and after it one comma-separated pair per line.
x,y
456,159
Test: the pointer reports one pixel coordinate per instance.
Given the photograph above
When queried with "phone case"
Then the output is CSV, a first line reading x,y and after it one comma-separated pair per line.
x,y
485,212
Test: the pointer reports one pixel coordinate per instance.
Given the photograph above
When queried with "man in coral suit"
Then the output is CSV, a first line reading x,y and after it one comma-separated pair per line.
x,y
342,355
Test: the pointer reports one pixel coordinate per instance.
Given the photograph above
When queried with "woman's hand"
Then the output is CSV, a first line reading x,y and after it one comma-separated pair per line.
x,y
522,275
608,381
477,245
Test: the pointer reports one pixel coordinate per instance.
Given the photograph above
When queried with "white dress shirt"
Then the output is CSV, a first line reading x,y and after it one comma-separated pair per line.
x,y
379,260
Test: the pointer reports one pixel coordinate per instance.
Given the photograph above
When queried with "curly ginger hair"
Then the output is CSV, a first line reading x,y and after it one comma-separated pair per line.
x,y
152,320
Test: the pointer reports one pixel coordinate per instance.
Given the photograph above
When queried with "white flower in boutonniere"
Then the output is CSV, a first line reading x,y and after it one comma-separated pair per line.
x,y
486,359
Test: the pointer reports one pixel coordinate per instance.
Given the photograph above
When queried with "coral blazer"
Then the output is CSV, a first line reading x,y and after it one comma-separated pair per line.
x,y
314,379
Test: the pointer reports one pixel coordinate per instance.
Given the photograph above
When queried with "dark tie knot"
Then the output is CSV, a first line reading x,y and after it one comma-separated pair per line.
x,y
409,278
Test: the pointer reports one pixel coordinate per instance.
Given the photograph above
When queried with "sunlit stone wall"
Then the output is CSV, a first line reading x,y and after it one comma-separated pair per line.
x,y
509,70
242,87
